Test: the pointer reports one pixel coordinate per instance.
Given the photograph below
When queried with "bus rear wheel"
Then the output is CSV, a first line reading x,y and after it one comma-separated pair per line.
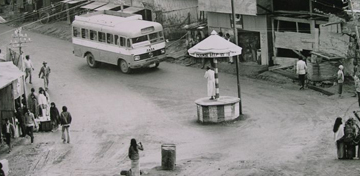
x,y
124,67
91,61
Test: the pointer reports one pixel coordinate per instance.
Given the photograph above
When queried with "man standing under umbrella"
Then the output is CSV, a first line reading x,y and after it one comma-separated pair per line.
x,y
210,76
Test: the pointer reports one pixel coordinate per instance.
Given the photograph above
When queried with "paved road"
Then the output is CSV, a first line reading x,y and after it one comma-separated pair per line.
x,y
284,132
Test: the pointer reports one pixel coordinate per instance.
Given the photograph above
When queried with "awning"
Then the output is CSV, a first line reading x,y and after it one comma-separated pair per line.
x,y
93,5
132,10
9,73
108,7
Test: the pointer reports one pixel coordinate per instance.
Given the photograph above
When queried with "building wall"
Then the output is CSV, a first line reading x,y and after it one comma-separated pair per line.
x,y
174,14
221,22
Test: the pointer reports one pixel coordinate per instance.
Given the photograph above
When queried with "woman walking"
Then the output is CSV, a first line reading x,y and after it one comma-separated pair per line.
x,y
134,156
338,137
54,115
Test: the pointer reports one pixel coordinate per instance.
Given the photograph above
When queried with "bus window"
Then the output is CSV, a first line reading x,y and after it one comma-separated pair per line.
x,y
139,39
84,33
153,37
116,40
101,37
128,44
109,39
76,32
93,35
122,41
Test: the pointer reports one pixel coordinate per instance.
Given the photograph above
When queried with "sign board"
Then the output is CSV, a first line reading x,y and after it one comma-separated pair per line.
x,y
243,7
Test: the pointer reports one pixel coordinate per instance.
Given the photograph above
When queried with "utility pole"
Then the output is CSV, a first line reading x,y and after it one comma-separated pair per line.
x,y
356,28
19,40
237,57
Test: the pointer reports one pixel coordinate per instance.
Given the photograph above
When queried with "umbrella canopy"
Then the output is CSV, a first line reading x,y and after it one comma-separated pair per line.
x,y
214,46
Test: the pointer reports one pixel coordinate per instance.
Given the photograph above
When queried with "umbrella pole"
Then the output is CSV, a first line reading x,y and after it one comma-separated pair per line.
x,y
217,91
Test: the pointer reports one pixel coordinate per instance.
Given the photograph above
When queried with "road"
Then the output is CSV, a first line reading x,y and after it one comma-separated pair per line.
x,y
284,131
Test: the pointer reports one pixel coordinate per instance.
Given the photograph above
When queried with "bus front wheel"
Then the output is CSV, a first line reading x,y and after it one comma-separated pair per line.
x,y
124,67
91,61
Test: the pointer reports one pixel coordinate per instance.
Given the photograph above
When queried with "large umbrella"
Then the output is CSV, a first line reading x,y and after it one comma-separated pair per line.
x,y
215,47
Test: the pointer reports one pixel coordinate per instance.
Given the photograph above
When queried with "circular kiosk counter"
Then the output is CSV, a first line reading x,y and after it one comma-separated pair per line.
x,y
225,108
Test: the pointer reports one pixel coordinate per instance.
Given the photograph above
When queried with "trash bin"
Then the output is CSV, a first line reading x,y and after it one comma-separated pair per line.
x,y
168,156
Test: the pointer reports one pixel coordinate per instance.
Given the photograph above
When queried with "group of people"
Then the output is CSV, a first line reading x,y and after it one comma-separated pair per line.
x,y
301,71
347,138
35,106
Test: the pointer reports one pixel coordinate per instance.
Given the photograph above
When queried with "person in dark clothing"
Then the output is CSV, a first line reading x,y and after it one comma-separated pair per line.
x,y
54,115
8,131
65,120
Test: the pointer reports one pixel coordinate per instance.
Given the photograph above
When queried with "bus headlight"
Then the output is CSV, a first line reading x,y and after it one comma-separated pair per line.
x,y
136,58
163,51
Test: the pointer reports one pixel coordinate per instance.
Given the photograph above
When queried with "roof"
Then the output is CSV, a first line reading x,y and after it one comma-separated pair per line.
x,y
9,73
108,7
93,5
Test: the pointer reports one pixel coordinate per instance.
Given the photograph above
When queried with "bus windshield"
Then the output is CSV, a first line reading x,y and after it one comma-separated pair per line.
x,y
139,39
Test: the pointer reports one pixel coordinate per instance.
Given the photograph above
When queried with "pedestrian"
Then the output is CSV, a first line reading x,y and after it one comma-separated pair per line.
x,y
30,123
9,132
357,87
43,103
54,115
33,103
65,120
301,71
134,156
210,76
44,74
338,137
340,79
19,114
28,67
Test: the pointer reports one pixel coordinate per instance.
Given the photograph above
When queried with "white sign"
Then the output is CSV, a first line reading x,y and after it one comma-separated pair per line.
x,y
210,55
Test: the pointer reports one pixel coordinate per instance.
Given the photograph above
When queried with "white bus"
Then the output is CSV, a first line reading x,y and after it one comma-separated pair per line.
x,y
118,38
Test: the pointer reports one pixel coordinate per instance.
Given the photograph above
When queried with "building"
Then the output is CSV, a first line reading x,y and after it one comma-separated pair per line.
x,y
252,23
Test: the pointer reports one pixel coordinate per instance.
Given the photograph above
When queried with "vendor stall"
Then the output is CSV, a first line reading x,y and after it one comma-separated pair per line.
x,y
12,86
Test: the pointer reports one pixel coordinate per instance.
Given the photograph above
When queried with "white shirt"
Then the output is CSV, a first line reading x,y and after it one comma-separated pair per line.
x,y
301,67
341,76
28,63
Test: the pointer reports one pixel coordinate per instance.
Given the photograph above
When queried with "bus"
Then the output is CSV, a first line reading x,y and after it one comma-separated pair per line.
x,y
118,38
